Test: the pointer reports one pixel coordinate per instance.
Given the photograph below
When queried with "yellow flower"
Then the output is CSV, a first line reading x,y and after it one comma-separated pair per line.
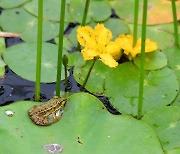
x,y
126,43
97,43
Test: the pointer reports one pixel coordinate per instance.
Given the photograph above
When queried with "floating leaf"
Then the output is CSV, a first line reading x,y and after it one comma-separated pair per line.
x,y
156,33
166,124
76,58
117,27
51,9
122,85
99,14
21,59
153,60
97,77
159,11
86,127
16,20
7,4
76,10
174,151
173,55
50,30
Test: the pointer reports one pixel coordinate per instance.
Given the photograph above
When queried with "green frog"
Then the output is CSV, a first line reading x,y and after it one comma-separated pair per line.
x,y
48,112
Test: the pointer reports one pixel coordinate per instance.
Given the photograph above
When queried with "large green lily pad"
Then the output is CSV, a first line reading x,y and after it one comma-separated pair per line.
x,y
76,10
51,9
76,59
157,34
121,85
50,30
173,55
6,4
174,151
166,124
16,20
159,11
86,127
154,60
96,81
21,59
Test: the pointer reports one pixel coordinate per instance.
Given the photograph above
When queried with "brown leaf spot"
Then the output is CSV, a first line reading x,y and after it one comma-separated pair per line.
x,y
79,141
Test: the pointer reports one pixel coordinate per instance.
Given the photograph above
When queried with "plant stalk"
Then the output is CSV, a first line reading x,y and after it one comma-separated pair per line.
x,y
142,61
135,28
65,63
66,79
60,47
175,21
89,72
39,50
86,8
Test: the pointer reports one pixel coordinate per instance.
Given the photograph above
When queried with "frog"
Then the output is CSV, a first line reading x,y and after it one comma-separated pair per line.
x,y
49,112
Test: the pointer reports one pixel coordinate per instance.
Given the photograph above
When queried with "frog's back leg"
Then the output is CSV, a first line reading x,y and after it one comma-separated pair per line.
x,y
40,121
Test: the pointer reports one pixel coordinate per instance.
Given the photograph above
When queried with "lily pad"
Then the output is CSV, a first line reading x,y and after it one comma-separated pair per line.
x,y
76,59
166,124
76,10
100,14
97,77
75,133
158,12
7,4
174,151
117,27
153,60
16,20
122,86
173,55
21,59
50,30
157,34
51,9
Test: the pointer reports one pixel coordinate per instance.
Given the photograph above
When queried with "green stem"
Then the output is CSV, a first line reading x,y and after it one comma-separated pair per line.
x,y
39,50
85,13
87,77
175,22
135,29
66,80
86,8
142,61
60,47
65,62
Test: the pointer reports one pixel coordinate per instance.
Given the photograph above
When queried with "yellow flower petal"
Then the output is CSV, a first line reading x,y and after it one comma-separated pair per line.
x,y
103,36
114,49
108,60
89,54
86,37
150,46
126,43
